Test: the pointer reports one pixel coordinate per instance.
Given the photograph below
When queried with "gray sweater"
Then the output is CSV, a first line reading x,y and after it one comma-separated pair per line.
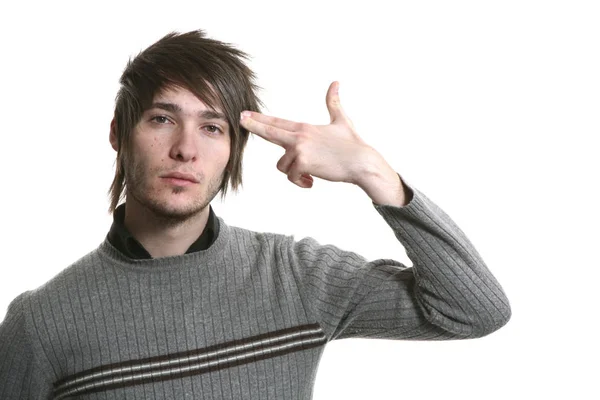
x,y
248,318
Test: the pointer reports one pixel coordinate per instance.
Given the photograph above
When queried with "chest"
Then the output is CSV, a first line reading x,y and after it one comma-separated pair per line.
x,y
184,331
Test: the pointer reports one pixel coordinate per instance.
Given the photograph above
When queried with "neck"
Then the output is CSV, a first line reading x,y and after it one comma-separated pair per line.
x,y
163,236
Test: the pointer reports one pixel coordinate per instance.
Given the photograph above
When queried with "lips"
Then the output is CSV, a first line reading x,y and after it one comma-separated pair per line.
x,y
181,175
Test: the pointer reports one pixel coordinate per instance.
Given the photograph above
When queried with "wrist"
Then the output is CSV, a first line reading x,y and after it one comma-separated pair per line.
x,y
380,181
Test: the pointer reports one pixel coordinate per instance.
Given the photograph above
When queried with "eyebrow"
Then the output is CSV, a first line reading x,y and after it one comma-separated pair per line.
x,y
175,108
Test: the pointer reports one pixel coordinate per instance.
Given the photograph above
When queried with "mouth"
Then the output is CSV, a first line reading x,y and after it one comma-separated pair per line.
x,y
180,179
179,182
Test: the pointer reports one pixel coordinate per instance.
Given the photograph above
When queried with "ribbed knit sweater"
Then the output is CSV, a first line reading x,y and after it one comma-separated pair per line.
x,y
248,318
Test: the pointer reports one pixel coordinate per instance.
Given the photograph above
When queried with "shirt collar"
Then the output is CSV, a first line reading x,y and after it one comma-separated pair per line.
x,y
120,237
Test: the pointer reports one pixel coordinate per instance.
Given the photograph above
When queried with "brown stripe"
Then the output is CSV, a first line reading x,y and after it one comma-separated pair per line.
x,y
175,366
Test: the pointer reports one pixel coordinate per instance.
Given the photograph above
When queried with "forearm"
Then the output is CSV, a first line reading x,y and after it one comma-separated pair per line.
x,y
380,181
454,287
448,294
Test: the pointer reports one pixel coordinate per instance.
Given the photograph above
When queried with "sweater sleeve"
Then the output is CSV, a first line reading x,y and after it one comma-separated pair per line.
x,y
20,375
448,293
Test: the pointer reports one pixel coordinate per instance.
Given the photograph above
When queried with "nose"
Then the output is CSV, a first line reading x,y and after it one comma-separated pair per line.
x,y
185,145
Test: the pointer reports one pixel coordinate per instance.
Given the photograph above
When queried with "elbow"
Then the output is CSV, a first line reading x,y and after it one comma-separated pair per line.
x,y
473,325
488,321
484,331
471,319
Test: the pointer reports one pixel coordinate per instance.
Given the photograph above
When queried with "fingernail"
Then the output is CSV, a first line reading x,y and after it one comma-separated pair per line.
x,y
245,114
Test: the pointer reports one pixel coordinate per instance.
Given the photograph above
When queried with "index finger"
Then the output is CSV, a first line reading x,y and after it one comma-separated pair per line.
x,y
275,130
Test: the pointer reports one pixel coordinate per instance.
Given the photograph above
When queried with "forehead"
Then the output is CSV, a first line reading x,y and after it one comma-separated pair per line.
x,y
182,97
186,99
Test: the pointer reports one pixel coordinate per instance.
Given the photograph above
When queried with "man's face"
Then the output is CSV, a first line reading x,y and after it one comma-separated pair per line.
x,y
178,133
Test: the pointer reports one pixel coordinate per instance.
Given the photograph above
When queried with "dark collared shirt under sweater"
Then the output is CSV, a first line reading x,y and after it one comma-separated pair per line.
x,y
120,237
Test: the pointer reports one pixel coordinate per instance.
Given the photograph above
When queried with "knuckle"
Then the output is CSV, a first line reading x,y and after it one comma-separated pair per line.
x,y
304,128
281,166
302,148
270,130
302,137
300,161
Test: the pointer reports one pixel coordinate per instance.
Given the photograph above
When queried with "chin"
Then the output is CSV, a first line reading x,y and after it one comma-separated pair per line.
x,y
173,207
174,204
178,210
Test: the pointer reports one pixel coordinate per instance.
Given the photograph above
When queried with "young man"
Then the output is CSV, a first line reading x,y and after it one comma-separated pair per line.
x,y
176,304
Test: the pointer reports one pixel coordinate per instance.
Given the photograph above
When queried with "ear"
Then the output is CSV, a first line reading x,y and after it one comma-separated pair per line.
x,y
113,135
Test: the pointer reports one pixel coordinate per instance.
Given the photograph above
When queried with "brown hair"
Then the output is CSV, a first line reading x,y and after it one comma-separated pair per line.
x,y
214,71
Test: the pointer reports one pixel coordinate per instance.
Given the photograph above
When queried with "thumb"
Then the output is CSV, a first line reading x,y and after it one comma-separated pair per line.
x,y
336,112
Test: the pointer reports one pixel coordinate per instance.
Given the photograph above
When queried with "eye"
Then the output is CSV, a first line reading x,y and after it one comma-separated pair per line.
x,y
160,119
213,129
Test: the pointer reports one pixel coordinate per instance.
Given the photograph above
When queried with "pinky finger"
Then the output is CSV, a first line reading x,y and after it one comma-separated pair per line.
x,y
307,180
304,181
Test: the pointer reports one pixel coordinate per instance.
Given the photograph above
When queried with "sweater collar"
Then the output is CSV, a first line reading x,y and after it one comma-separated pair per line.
x,y
120,237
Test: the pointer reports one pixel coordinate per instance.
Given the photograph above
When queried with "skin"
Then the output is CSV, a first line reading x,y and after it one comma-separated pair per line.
x,y
166,217
333,152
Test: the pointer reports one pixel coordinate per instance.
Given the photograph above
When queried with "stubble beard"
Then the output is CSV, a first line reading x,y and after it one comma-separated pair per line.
x,y
138,186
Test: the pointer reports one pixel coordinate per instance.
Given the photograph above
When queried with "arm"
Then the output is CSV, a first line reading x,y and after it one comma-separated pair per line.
x,y
20,375
449,293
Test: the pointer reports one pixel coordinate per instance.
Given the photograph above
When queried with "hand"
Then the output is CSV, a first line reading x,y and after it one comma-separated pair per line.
x,y
330,152
333,152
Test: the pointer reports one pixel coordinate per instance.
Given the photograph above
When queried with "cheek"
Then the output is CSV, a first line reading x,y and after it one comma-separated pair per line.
x,y
225,157
218,154
153,152
146,162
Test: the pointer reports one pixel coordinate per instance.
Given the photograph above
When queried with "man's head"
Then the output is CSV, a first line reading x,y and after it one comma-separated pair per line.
x,y
179,64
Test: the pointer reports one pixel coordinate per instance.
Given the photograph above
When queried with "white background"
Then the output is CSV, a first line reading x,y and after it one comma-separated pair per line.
x,y
489,108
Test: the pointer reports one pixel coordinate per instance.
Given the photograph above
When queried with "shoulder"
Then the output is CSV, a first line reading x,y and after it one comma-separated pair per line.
x,y
17,305
263,248
72,275
283,242
239,235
